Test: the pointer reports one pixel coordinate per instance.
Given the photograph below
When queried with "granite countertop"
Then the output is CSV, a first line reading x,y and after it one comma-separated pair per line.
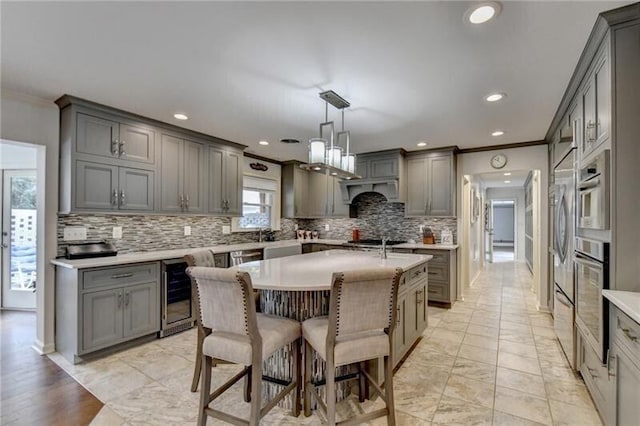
x,y
426,246
627,301
156,255
313,271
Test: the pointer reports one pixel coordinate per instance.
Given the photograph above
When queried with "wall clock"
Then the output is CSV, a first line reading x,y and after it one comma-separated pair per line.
x,y
498,161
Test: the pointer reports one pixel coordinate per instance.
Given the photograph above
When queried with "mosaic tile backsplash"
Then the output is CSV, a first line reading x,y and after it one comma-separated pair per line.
x,y
376,217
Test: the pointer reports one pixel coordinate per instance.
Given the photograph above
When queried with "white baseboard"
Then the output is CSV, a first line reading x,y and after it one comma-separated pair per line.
x,y
43,349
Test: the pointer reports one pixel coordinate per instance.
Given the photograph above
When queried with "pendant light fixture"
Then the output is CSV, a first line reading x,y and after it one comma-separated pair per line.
x,y
329,154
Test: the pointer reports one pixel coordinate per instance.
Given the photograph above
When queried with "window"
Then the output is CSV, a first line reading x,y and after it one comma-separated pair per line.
x,y
260,205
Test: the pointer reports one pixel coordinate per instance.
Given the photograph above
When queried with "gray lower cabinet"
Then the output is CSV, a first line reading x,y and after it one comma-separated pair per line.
x,y
183,176
443,274
225,182
430,184
411,319
101,307
108,187
624,369
598,379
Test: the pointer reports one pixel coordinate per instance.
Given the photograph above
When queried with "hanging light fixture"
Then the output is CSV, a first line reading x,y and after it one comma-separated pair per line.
x,y
329,154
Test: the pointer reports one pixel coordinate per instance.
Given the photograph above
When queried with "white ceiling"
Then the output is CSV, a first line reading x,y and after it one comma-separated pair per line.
x,y
252,71
497,179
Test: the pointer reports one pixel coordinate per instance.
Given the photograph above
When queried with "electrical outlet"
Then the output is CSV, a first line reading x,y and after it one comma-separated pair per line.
x,y
327,227
75,233
117,232
187,230
226,229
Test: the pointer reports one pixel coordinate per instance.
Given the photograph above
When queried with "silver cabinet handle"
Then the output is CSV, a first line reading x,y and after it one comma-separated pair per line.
x,y
186,200
122,198
611,360
118,276
181,202
122,152
398,318
119,300
114,197
429,204
628,334
127,298
419,295
591,126
114,146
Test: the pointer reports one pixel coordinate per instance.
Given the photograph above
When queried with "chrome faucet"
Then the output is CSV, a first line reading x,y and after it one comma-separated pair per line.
x,y
260,230
383,249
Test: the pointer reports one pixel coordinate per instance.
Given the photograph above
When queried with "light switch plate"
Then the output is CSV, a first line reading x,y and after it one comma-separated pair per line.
x,y
187,230
295,227
75,233
117,232
226,229
327,227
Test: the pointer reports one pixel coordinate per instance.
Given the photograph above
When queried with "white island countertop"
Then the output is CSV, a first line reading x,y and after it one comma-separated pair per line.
x,y
627,301
313,271
418,246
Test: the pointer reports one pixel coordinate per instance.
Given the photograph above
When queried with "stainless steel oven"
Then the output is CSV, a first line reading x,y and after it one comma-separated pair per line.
x,y
593,194
592,276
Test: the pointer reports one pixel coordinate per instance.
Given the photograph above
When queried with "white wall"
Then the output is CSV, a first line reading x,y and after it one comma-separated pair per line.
x,y
526,158
516,194
15,156
33,120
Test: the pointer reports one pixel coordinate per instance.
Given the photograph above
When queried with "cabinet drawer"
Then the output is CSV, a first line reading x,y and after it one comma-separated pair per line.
x,y
627,333
413,275
438,272
439,256
596,377
120,275
438,292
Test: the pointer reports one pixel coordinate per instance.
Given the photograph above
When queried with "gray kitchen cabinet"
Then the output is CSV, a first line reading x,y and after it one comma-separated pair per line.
x,y
109,138
104,151
379,165
430,184
97,308
400,337
597,377
411,319
325,197
295,191
596,101
225,182
107,187
624,368
182,175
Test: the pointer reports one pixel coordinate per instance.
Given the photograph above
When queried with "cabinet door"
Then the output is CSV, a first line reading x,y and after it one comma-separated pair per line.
x,y
141,309
97,136
338,207
233,162
602,83
137,144
400,338
171,161
362,168
421,308
101,319
383,167
318,194
440,186
215,193
589,106
96,186
416,187
194,177
136,189
300,192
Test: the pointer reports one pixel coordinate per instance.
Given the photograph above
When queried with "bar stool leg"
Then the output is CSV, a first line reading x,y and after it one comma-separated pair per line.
x,y
362,382
247,385
256,390
296,359
198,370
388,390
205,390
307,378
330,388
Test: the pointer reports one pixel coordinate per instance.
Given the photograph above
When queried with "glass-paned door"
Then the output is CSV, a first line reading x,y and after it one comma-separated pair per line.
x,y
19,239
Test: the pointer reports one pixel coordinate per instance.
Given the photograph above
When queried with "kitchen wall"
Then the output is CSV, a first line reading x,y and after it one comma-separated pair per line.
x,y
377,218
160,232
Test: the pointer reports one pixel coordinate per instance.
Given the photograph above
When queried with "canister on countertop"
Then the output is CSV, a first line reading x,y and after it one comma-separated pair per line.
x,y
427,236
355,234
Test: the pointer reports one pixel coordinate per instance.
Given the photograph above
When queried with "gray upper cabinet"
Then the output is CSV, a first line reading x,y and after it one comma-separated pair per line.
x,y
225,182
183,175
318,193
338,206
596,101
379,165
105,187
108,138
295,190
431,184
113,160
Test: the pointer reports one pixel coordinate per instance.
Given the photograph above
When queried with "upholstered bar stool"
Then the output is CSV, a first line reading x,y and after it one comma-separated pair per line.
x,y
198,258
242,336
360,327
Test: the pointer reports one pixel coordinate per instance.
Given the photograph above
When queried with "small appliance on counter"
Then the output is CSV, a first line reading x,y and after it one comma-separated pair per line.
x,y
446,237
91,249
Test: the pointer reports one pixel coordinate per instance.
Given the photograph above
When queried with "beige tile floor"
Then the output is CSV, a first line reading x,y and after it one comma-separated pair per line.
x,y
491,359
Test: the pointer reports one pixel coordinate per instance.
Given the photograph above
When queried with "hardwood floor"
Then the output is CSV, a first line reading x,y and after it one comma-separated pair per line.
x,y
33,389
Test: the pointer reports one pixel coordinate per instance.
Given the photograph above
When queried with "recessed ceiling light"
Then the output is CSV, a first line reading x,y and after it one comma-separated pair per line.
x,y
508,174
180,116
334,174
263,143
317,168
483,12
497,133
422,144
495,97
507,181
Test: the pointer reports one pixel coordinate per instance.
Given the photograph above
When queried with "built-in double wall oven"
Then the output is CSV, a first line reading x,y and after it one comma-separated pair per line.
x,y
593,194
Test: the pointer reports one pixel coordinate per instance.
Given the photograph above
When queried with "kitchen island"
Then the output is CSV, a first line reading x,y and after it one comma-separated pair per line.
x,y
298,287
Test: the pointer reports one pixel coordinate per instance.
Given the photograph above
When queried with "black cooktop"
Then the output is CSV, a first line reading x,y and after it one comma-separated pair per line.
x,y
374,242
